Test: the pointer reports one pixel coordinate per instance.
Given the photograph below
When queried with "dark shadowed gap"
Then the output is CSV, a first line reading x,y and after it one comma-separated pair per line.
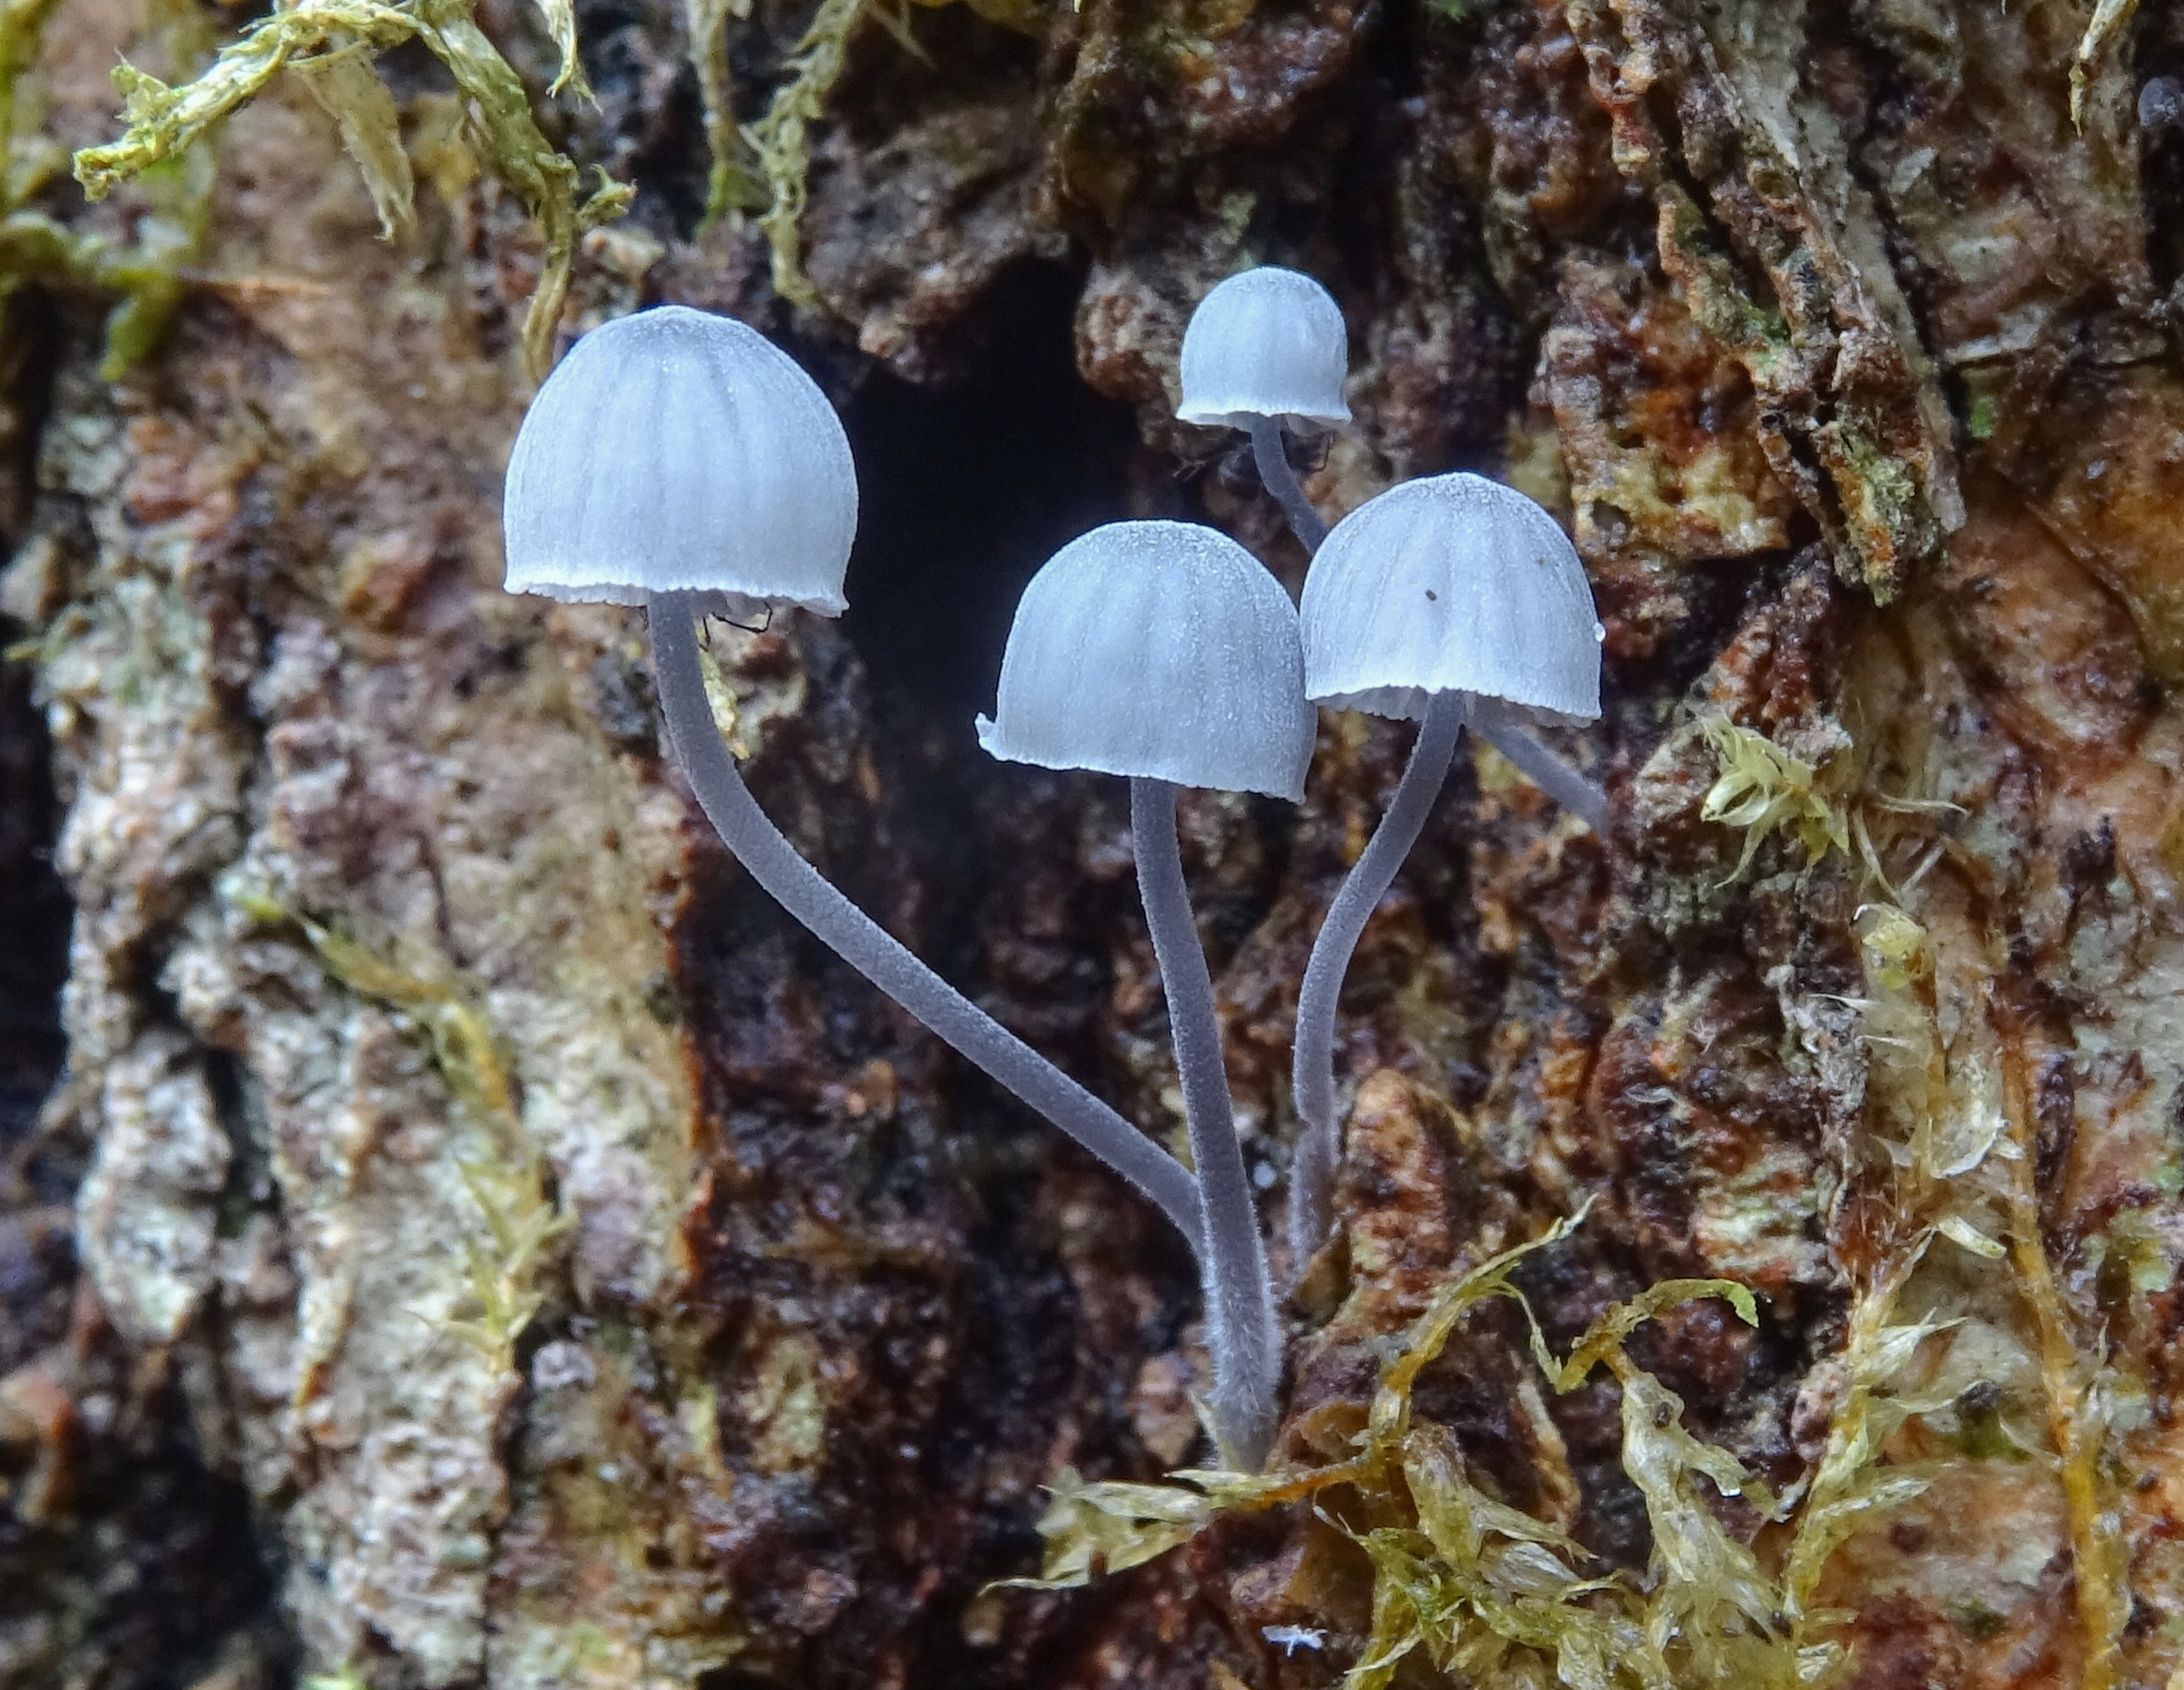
x,y
965,489
34,905
146,1575
34,908
2157,57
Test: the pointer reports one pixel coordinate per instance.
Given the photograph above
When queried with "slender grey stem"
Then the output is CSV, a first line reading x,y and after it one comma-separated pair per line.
x,y
1546,770
1279,479
772,862
1240,1327
1312,1055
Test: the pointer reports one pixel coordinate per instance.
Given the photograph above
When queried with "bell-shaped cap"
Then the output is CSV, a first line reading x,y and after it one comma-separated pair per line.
x,y
679,452
1450,584
1265,343
1161,650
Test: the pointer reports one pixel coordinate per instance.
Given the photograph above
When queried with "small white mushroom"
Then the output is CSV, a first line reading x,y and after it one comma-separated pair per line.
x,y
1454,583
682,462
1161,650
1266,342
1267,348
1453,600
2161,104
673,452
1164,652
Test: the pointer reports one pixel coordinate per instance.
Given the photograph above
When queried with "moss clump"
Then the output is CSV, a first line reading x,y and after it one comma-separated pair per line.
x,y
780,140
1956,1122
34,247
1492,1596
1764,788
332,43
732,186
1488,1594
2077,1402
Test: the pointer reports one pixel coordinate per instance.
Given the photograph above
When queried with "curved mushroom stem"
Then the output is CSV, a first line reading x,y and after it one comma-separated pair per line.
x,y
1546,771
1279,479
1312,1055
1242,1331
860,941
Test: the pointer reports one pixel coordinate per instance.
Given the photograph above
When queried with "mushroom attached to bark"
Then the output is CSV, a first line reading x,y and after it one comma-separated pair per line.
x,y
681,462
1164,652
1265,349
1452,600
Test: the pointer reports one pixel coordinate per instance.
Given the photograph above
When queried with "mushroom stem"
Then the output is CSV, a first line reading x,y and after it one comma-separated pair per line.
x,y
1280,480
860,941
1241,1331
1543,767
1312,1055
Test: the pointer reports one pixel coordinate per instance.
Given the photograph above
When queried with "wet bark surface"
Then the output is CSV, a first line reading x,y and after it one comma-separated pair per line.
x,y
455,1231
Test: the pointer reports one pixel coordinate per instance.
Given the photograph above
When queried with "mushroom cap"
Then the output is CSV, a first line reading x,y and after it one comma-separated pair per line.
x,y
1265,343
674,451
1453,584
1161,650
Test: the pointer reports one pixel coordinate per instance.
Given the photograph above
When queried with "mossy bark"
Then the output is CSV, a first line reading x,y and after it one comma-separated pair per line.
x,y
476,1240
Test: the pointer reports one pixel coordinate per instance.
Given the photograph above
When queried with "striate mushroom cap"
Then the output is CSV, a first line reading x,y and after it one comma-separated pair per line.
x,y
1161,650
674,451
1453,584
1265,343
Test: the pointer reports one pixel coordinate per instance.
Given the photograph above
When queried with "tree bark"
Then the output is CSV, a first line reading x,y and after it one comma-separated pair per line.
x,y
474,1239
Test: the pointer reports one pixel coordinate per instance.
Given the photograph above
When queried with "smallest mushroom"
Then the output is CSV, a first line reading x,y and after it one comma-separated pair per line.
x,y
1162,651
1455,601
1265,350
2161,104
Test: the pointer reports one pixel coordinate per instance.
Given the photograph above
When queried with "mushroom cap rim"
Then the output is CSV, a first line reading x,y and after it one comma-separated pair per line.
x,y
1230,414
1407,703
990,742
707,602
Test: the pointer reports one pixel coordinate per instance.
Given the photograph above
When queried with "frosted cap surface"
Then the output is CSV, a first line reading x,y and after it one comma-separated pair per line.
x,y
1453,584
1265,343
674,451
1161,650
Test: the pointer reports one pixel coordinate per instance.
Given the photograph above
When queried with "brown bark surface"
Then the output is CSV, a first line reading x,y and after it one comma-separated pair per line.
x,y
454,1231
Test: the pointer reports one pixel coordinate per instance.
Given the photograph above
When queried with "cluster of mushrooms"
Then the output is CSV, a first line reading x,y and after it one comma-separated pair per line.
x,y
681,462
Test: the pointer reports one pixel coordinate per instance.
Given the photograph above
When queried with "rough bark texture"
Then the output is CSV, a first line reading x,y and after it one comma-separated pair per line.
x,y
474,1240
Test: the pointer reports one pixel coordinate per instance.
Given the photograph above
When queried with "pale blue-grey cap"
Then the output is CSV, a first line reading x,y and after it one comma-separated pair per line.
x,y
1266,342
1160,649
674,451
1453,584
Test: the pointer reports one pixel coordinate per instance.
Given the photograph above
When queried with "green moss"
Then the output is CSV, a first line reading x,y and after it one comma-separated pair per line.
x,y
732,186
332,41
1488,1594
1958,1131
780,140
146,274
1763,788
